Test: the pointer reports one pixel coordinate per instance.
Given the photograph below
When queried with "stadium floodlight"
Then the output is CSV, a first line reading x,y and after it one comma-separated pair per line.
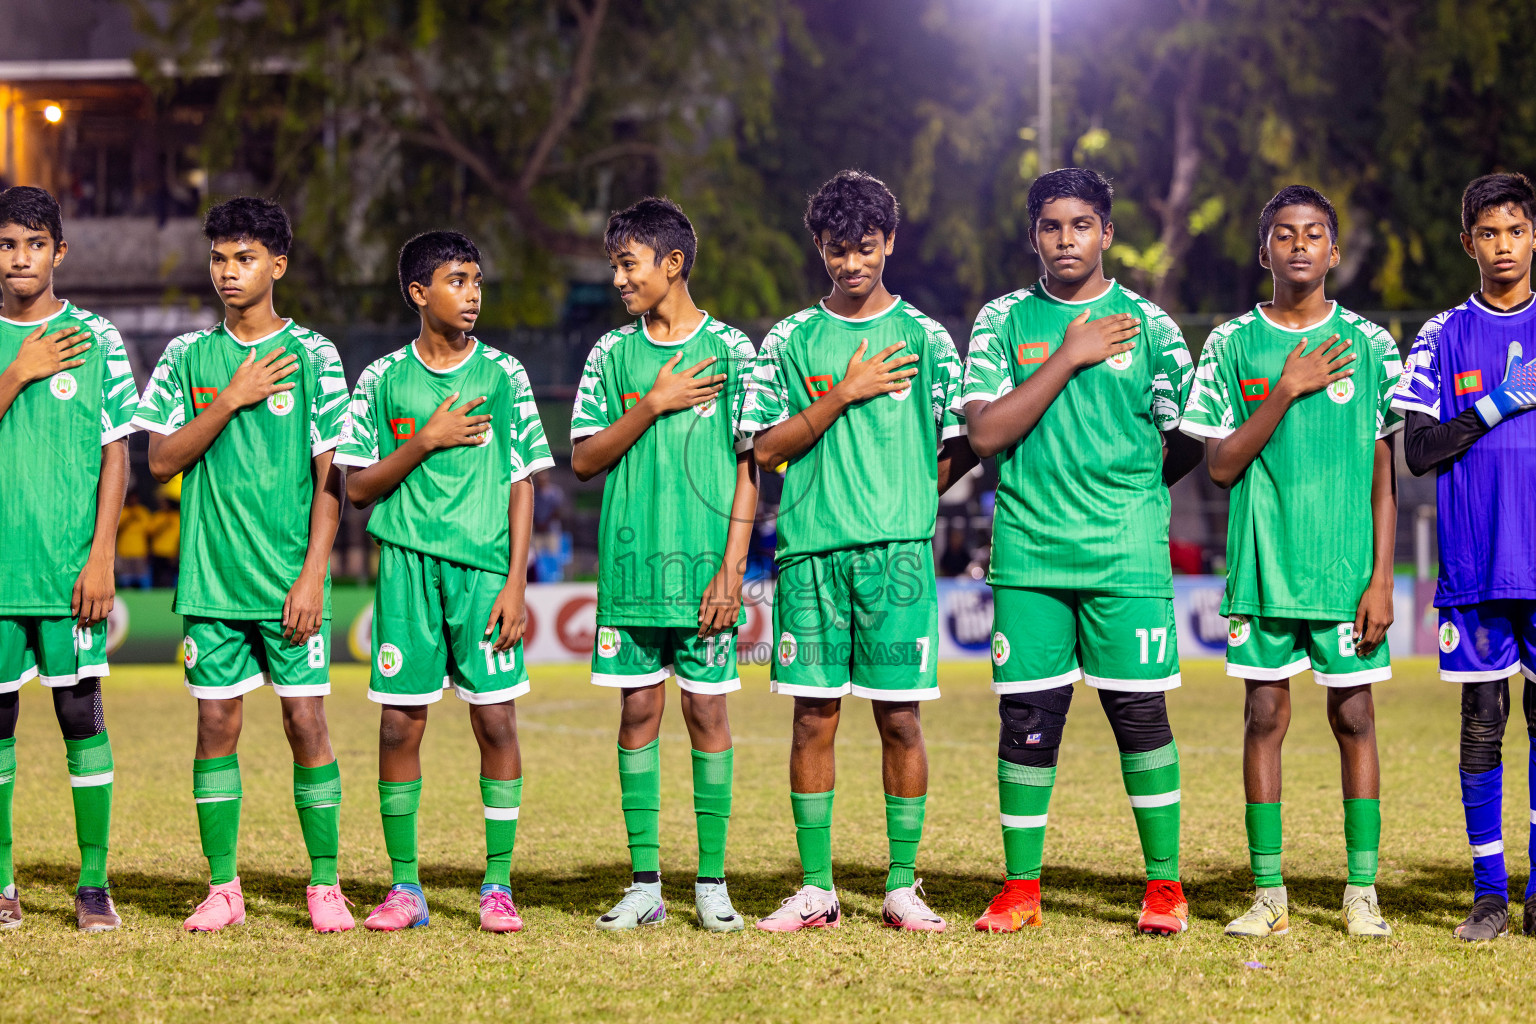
x,y
53,113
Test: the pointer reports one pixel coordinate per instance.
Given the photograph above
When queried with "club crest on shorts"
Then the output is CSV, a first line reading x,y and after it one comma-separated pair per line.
x,y
189,651
390,659
1450,638
607,642
1342,390
1000,649
1238,630
787,650
280,403
62,386
1119,361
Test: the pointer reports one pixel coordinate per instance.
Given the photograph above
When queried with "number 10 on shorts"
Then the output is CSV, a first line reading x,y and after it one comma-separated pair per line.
x,y
1146,638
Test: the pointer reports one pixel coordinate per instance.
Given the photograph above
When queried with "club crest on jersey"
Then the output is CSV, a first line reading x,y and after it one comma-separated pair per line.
x,y
706,408
787,650
607,642
819,385
1450,638
1032,352
1238,630
390,659
62,386
1119,361
280,403
1469,382
1342,390
404,429
189,651
902,393
1000,649
1255,389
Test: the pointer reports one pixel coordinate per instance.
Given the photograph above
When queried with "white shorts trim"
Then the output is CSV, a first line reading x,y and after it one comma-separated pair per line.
x,y
872,693
16,684
824,692
404,700
1533,816
661,675
82,673
1488,849
711,689
1492,675
86,781
303,690
1172,682
1033,685
1023,820
1528,672
1364,677
1269,675
511,693
501,813
1155,799
229,692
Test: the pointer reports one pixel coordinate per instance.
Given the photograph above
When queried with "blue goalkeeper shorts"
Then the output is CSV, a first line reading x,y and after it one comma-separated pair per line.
x,y
1492,640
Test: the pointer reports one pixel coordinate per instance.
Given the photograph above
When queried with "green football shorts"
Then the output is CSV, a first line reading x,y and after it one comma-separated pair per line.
x,y
229,657
1042,639
50,649
1267,649
863,621
631,656
429,619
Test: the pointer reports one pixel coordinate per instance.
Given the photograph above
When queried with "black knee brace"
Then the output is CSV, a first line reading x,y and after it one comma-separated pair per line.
x,y
1529,700
10,711
78,709
1484,714
1030,733
1140,720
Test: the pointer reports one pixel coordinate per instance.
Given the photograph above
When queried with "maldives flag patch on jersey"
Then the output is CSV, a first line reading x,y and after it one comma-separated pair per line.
x,y
629,400
1031,352
1468,382
403,429
819,385
202,398
1255,389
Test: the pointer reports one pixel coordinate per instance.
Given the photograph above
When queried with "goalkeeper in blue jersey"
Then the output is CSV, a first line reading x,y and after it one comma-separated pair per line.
x,y
1470,379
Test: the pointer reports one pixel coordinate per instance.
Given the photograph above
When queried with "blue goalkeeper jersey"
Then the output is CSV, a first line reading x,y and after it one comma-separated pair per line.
x,y
1487,497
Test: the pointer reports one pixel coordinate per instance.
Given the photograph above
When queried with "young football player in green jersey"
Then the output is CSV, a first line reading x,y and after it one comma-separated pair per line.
x,y
853,397
444,436
67,400
1076,383
658,408
1293,400
250,413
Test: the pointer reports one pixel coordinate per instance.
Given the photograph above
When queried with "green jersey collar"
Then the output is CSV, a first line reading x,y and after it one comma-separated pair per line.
x,y
474,347
1045,294
65,308
646,333
259,341
1333,309
860,323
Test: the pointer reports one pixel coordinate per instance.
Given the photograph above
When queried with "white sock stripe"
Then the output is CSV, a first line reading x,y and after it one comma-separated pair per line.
x,y
1022,820
1533,815
501,813
1488,849
82,781
214,799
1155,799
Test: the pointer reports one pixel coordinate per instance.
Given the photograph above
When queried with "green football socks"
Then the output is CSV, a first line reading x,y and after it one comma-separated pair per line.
x,y
813,836
90,783
7,791
1023,797
216,791
502,800
1362,838
1263,824
712,774
317,796
398,804
640,797
903,831
1152,783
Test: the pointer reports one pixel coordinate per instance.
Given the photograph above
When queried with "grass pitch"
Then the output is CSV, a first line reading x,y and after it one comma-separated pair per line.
x,y
570,864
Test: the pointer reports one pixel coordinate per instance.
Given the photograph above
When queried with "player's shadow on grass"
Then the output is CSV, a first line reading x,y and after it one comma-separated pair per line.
x,y
1429,894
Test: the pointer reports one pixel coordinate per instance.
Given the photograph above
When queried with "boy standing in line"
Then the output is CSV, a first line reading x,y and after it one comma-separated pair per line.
x,y
1081,413
250,413
855,396
1469,381
67,401
678,505
444,435
1294,402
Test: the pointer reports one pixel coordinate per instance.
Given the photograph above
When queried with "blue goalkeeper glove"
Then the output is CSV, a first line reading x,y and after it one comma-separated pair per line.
x,y
1517,394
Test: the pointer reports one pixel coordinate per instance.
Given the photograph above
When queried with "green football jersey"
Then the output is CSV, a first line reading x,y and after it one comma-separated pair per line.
x,y
667,502
245,503
1299,529
454,505
50,457
872,478
1080,500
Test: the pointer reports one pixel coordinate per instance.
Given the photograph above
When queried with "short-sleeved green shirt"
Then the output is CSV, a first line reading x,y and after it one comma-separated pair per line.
x,y
454,505
1299,529
245,504
50,459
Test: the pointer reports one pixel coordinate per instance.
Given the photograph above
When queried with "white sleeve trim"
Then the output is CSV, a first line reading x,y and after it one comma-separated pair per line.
x,y
1202,430
324,446
757,427
954,430
577,433
355,461
140,423
117,433
1389,430
1409,405
969,397
744,445
536,466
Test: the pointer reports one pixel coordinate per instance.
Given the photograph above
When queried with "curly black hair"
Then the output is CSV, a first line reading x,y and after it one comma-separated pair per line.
x,y
1070,183
1297,195
32,208
250,219
422,255
850,206
657,223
